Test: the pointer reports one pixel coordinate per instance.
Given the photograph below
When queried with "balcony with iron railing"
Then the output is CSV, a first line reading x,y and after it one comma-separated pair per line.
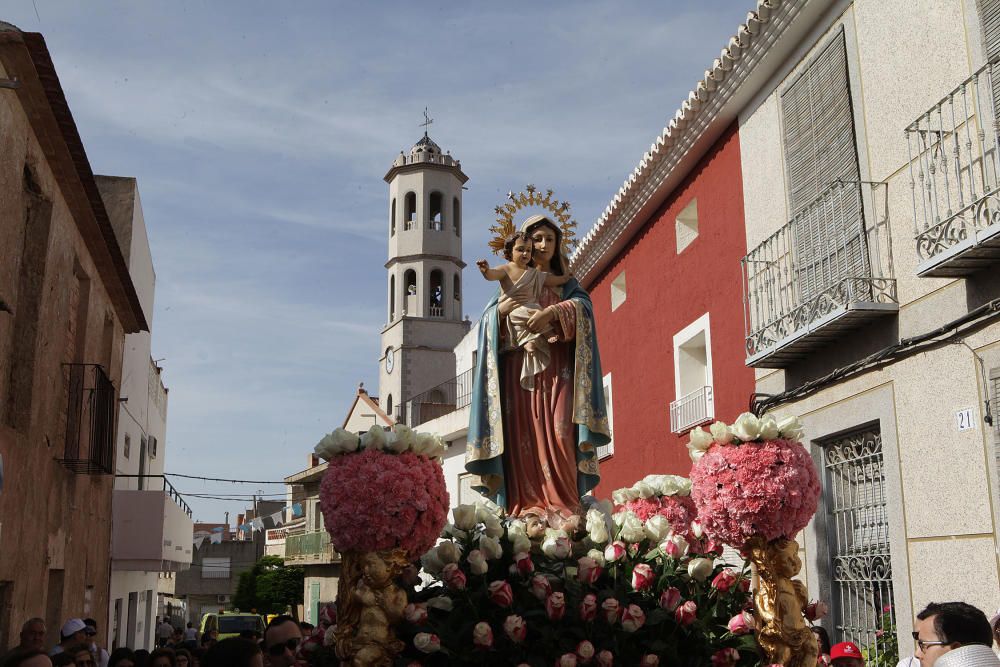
x,y
693,409
953,164
445,398
829,269
312,548
91,412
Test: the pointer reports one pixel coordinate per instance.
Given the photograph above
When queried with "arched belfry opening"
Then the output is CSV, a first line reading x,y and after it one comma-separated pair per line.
x,y
435,293
410,210
435,212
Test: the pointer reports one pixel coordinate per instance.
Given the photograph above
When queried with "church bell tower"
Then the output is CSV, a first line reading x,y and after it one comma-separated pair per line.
x,y
424,304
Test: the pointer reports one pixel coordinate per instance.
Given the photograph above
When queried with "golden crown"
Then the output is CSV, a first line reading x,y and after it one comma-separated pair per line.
x,y
530,196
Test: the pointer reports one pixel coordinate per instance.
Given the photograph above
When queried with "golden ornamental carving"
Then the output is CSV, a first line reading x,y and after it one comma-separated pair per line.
x,y
779,602
531,196
369,606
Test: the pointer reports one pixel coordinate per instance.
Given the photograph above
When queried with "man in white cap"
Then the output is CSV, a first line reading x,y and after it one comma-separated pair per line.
x,y
73,632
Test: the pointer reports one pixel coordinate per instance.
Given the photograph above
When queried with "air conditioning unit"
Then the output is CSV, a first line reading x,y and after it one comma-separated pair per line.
x,y
222,599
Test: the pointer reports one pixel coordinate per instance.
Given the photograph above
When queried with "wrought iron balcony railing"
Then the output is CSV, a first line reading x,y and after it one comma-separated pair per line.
x,y
954,179
438,401
91,412
692,410
312,545
826,270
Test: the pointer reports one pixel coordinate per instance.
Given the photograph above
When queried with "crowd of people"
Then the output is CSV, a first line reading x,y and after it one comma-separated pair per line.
x,y
78,647
948,634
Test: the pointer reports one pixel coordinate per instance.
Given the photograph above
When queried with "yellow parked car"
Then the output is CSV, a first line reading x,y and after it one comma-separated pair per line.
x,y
231,624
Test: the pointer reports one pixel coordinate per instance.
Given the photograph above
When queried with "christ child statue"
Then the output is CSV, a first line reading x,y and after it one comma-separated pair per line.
x,y
522,283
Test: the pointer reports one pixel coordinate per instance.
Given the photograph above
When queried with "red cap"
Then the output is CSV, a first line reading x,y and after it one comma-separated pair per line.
x,y
845,650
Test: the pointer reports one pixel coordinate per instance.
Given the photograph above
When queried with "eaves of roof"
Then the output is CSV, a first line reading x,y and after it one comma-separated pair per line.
x,y
25,56
761,45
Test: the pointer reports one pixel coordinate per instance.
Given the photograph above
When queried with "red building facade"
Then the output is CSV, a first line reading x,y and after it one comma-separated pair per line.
x,y
668,307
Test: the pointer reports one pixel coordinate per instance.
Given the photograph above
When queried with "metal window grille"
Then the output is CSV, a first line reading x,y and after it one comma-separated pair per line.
x,y
90,420
859,540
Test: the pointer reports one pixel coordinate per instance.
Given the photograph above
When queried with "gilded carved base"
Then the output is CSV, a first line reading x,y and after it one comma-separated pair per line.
x,y
369,605
779,601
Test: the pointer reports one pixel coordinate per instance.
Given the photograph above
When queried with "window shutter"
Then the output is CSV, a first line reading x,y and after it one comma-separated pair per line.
x,y
989,21
820,150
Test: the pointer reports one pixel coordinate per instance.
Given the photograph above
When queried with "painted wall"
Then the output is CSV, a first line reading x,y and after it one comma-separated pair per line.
x,y
666,292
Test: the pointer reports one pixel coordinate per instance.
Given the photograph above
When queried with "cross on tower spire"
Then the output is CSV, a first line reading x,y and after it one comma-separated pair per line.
x,y
427,121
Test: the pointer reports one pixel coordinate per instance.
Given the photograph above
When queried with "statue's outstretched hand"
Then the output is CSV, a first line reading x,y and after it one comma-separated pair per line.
x,y
483,265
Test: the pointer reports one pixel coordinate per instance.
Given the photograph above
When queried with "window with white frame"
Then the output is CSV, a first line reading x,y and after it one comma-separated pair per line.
x,y
607,450
618,291
694,402
686,226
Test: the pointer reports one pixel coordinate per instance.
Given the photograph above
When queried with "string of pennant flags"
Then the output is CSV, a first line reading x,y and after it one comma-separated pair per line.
x,y
257,523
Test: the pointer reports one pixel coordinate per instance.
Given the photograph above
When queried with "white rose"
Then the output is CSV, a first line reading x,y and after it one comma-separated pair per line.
x,y
431,562
747,427
683,486
632,528
490,547
440,602
394,444
721,433
632,493
487,508
437,448
492,526
521,544
597,526
644,490
620,497
404,437
700,439
338,442
657,527
450,531
700,568
768,427
597,555
423,443
790,428
517,527
465,517
695,454
448,552
426,642
618,518
374,438
477,562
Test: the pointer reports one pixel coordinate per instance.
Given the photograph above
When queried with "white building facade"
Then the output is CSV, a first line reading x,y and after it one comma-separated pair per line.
x,y
151,525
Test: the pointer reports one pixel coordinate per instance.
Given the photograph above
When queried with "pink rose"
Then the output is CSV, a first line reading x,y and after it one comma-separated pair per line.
x,y
566,660
741,624
540,586
713,546
726,657
642,577
745,584
416,613
588,570
675,546
614,551
670,598
522,562
555,606
686,613
453,576
500,593
515,628
585,651
633,618
649,660
611,610
588,607
724,580
605,659
816,610
482,635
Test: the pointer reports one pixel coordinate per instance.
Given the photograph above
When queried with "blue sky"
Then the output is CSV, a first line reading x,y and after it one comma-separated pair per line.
x,y
260,132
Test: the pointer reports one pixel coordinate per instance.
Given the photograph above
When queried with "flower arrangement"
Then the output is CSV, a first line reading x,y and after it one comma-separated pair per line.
x,y
383,490
753,478
620,590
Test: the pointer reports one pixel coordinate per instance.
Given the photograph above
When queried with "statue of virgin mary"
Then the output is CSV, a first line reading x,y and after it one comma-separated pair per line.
x,y
534,451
